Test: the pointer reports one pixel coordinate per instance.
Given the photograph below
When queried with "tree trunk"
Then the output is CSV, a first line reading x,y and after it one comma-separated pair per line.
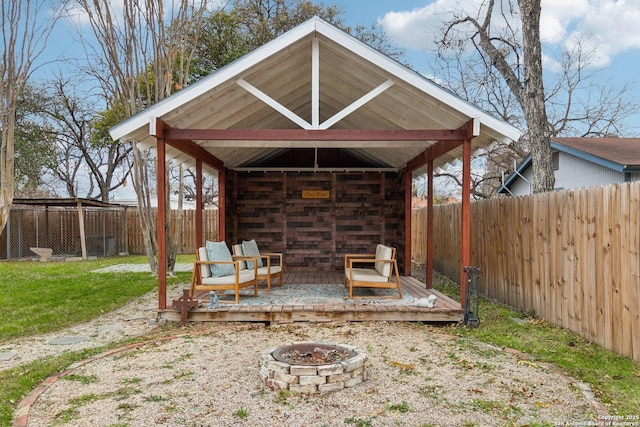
x,y
533,98
141,184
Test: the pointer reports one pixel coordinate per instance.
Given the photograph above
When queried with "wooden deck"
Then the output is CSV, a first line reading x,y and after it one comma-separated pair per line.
x,y
446,310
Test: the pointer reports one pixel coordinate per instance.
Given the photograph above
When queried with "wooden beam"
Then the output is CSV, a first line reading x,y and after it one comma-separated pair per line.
x,y
315,83
222,205
199,204
407,223
160,129
433,152
355,105
274,104
197,152
430,242
161,223
314,135
442,147
467,131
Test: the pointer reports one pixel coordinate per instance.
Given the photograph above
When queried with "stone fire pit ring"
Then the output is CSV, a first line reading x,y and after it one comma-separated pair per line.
x,y
344,367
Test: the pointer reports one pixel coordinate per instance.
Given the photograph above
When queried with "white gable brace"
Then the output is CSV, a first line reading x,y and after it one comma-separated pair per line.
x,y
315,97
355,105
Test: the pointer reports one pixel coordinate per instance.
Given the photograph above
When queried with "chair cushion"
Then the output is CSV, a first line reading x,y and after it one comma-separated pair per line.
x,y
218,251
205,270
383,252
250,248
237,250
274,269
366,275
243,277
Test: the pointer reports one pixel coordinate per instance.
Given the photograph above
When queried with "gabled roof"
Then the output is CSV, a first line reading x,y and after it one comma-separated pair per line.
x,y
618,154
315,77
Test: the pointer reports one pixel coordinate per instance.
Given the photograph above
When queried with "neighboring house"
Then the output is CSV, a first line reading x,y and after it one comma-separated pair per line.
x,y
581,162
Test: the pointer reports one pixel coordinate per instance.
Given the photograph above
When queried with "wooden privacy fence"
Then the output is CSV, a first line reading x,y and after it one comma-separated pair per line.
x,y
186,223
107,231
573,256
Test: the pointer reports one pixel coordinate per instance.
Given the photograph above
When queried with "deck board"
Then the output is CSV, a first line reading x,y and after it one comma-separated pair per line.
x,y
446,310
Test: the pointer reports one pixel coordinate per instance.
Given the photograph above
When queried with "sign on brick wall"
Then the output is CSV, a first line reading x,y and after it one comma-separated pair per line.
x,y
315,194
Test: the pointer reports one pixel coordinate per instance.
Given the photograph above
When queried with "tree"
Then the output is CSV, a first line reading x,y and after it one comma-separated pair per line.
x,y
579,102
84,143
143,56
34,145
228,35
25,34
516,53
583,103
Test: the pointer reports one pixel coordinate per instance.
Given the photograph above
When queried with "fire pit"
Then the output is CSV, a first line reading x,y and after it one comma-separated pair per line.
x,y
313,367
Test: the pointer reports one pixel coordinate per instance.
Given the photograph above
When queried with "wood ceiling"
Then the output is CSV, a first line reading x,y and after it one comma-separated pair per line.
x,y
315,77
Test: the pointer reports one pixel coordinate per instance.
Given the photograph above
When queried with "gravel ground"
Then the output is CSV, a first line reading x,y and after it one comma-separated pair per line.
x,y
417,375
208,375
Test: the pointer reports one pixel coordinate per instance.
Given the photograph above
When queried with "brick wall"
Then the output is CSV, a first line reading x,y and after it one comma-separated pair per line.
x,y
362,209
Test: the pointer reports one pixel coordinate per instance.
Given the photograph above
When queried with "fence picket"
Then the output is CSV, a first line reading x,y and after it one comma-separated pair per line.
x,y
572,256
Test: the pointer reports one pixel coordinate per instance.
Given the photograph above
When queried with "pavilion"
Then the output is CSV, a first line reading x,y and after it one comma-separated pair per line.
x,y
315,138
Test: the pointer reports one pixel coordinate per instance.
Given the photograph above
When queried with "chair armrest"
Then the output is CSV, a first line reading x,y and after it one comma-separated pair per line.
x,y
197,266
268,255
347,257
215,262
247,258
360,255
370,260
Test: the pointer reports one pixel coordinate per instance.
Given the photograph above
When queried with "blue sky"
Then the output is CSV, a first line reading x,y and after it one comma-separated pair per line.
x,y
608,27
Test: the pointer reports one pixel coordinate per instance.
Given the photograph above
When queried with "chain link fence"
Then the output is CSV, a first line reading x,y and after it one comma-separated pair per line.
x,y
59,228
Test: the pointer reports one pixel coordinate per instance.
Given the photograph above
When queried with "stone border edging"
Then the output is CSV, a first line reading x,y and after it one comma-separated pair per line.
x,y
22,411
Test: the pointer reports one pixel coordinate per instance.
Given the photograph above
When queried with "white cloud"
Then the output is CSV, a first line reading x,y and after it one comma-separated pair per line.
x,y
558,16
420,27
608,27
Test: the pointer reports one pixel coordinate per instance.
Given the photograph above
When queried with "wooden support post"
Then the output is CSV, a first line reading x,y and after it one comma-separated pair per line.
x,y
465,219
407,222
161,225
430,242
222,195
199,204
83,236
125,230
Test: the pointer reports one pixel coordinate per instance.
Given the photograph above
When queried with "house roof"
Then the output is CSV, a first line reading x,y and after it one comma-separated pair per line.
x,y
619,154
623,152
312,78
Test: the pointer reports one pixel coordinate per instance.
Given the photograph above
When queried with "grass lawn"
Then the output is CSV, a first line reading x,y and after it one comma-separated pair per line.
x,y
38,298
615,379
